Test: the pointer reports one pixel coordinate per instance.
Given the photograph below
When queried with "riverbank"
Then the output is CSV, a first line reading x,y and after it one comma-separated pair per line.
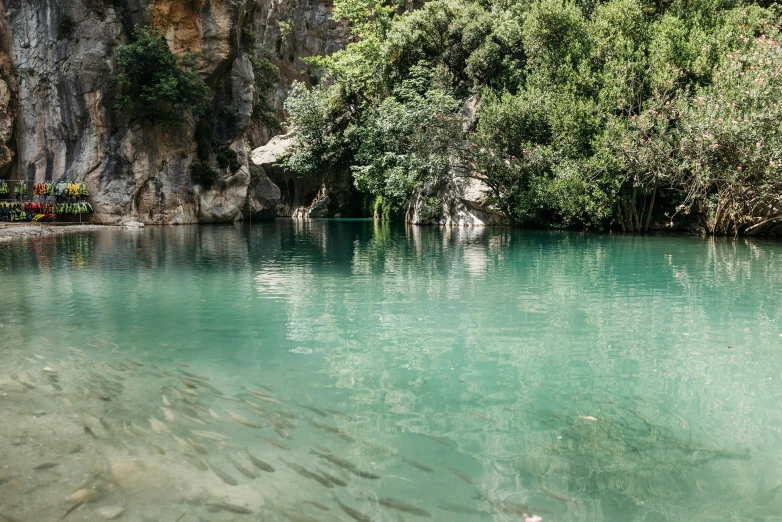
x,y
9,231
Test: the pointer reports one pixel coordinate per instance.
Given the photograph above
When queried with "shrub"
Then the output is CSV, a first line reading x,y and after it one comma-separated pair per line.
x,y
156,84
203,175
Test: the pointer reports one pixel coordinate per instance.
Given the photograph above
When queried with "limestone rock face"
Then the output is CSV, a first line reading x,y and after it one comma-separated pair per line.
x,y
462,202
57,101
330,195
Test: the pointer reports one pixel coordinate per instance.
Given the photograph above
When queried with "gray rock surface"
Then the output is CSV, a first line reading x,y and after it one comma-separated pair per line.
x,y
57,101
304,197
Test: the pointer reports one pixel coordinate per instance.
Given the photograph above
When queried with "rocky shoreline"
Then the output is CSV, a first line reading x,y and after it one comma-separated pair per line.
x,y
10,231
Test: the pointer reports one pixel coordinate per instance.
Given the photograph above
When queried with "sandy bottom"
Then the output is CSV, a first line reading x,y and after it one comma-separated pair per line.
x,y
99,435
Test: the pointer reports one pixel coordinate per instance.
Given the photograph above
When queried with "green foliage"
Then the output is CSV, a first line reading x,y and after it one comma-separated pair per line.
x,y
203,175
226,158
286,32
590,113
156,84
66,27
266,75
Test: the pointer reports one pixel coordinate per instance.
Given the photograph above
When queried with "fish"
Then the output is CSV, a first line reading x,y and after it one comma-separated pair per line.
x,y
182,364
295,517
214,415
233,508
482,417
258,463
197,446
314,410
343,463
168,415
165,372
341,415
316,504
226,397
282,433
194,376
158,426
166,402
196,420
418,465
439,440
287,414
176,394
304,472
182,443
225,477
138,429
354,514
277,443
46,465
462,475
456,508
399,506
188,383
263,397
195,403
241,468
241,420
195,462
364,474
210,435
159,449
587,417
332,478
321,448
187,391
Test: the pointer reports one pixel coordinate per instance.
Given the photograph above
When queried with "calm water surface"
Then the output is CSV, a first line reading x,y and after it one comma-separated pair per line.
x,y
573,376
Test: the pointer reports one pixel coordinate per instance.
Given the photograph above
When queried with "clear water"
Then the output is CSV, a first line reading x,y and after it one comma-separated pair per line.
x,y
570,376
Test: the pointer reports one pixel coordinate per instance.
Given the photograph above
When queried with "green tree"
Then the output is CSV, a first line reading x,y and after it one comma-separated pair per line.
x,y
156,84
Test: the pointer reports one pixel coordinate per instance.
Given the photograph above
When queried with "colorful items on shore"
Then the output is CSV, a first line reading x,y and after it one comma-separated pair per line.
x,y
35,211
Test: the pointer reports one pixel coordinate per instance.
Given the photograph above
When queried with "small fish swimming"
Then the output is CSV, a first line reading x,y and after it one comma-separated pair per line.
x,y
233,508
195,462
168,415
160,450
314,410
332,478
197,446
210,435
462,475
277,443
399,506
182,443
343,463
194,376
158,426
241,420
241,468
316,504
225,477
214,415
45,465
304,472
258,463
439,440
354,514
418,465
166,402
363,474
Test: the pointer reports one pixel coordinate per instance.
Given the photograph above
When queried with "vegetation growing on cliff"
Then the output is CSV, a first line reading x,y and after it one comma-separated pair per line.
x,y
157,85
617,113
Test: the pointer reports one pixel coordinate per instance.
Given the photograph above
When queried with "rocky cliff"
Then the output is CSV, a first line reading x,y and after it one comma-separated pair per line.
x,y
57,101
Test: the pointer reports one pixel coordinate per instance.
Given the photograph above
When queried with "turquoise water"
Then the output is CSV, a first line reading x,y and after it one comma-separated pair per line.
x,y
566,375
